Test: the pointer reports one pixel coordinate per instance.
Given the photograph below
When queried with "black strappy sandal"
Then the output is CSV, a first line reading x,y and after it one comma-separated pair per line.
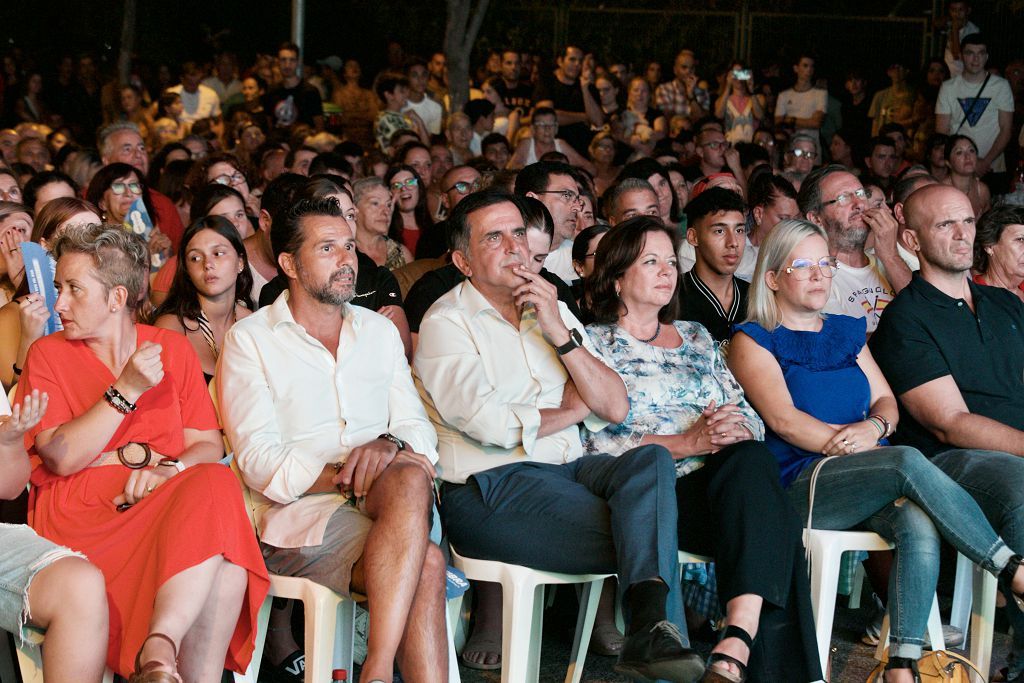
x,y
1006,579
712,675
904,663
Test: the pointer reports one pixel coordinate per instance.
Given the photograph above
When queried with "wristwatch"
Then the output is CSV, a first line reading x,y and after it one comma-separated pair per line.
x,y
172,462
575,341
393,439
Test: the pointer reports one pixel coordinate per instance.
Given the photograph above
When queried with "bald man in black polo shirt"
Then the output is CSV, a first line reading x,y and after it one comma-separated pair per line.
x,y
953,352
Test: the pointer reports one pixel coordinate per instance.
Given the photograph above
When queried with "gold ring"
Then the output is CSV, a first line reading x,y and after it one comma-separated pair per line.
x,y
149,488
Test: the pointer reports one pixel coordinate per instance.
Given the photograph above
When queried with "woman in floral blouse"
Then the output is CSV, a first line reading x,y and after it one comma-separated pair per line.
x,y
683,397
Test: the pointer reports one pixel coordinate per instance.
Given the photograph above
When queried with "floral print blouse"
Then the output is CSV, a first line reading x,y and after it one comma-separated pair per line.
x,y
667,388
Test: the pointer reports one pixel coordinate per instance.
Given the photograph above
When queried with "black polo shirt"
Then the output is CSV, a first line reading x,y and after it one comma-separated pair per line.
x,y
698,303
925,334
376,287
433,285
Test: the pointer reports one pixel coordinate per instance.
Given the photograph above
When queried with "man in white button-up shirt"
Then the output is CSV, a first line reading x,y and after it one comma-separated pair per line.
x,y
507,373
329,433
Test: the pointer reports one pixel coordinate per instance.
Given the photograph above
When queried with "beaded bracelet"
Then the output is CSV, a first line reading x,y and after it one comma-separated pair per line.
x,y
118,402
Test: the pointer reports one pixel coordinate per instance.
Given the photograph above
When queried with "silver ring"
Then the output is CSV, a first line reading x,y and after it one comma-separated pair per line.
x,y
149,488
845,442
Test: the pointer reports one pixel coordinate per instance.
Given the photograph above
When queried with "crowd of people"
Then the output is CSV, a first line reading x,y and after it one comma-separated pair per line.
x,y
585,320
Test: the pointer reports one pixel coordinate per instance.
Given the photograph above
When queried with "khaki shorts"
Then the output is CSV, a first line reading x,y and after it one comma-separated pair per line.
x,y
330,563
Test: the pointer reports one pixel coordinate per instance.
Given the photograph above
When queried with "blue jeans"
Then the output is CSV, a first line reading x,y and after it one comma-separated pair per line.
x,y
897,493
994,479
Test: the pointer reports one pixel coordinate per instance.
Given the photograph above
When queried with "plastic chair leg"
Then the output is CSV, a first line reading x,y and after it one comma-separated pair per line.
x,y
824,579
345,637
450,616
983,620
963,598
321,620
589,599
521,632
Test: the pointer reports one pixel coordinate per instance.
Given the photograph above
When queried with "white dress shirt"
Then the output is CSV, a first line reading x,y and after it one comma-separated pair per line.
x,y
289,408
484,383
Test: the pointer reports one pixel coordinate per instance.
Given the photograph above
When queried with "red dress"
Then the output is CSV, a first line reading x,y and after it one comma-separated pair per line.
x,y
197,514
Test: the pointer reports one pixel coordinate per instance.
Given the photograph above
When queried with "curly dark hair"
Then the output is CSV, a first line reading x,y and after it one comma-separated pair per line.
x,y
617,251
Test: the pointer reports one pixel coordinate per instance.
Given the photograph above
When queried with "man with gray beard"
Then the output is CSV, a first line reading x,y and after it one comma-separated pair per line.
x,y
329,432
834,199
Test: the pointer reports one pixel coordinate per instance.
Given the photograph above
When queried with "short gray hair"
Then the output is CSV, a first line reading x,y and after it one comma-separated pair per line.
x,y
103,137
621,188
771,257
364,185
120,257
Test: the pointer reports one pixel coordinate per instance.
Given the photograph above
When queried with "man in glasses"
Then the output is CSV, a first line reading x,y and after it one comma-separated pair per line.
x,y
800,159
122,142
554,184
711,149
864,285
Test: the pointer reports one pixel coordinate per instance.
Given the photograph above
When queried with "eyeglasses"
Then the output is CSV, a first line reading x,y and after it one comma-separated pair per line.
x,y
845,198
590,255
804,153
119,188
462,187
715,144
235,178
12,194
568,196
408,182
801,268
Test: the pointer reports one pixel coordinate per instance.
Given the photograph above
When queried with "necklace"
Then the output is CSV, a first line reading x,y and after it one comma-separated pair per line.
x,y
657,331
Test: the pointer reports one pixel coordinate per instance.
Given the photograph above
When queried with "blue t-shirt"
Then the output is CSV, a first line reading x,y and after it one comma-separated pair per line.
x,y
823,378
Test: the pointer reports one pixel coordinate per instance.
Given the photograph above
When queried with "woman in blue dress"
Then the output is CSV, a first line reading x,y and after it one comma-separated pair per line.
x,y
828,411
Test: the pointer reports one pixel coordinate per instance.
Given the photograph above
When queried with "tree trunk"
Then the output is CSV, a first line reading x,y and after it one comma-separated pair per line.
x,y
124,59
460,34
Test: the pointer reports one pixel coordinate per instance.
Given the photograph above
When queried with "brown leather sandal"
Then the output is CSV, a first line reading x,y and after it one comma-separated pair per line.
x,y
146,673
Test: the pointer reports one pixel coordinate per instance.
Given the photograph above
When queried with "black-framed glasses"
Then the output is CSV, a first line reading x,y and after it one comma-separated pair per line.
x,y
715,144
120,188
463,187
804,153
397,185
802,268
568,196
844,198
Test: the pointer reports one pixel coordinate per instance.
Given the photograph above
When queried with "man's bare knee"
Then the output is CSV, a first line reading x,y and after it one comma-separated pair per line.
x,y
409,485
434,566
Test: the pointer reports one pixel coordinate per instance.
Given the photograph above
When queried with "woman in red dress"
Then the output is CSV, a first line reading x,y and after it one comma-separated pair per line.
x,y
129,474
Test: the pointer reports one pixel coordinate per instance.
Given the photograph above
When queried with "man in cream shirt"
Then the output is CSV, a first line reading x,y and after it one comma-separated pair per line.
x,y
329,433
507,373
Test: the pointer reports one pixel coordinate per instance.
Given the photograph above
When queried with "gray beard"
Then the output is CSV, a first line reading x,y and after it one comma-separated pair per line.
x,y
843,238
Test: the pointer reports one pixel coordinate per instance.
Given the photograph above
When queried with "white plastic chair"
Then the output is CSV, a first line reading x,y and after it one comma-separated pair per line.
x,y
974,605
826,550
523,614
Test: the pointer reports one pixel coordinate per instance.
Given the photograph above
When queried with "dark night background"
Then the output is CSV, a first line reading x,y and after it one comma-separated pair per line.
x,y
843,33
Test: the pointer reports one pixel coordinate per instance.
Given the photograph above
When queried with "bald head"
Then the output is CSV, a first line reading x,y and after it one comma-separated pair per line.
x,y
940,228
925,201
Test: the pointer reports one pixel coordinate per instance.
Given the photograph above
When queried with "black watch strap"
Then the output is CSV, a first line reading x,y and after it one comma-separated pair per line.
x,y
393,439
575,341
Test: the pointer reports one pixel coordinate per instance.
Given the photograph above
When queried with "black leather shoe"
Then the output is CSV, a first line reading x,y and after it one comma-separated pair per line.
x,y
904,663
657,652
1006,579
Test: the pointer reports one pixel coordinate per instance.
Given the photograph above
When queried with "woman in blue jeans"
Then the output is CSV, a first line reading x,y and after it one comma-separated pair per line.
x,y
820,393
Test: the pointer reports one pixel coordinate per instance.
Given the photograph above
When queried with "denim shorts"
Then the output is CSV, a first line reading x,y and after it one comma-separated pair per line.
x,y
25,554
